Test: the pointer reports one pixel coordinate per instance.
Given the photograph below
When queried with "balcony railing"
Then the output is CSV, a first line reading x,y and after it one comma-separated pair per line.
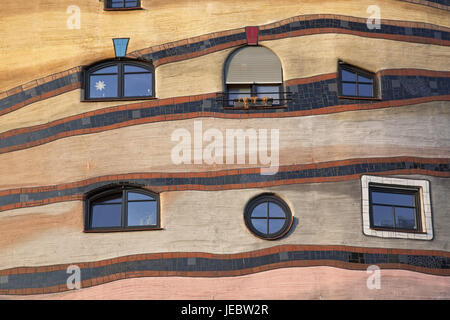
x,y
261,102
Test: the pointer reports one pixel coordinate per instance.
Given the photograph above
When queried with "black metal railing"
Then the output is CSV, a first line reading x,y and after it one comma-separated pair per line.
x,y
255,102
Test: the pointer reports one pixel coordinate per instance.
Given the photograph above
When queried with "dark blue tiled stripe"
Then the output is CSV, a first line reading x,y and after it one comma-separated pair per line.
x,y
193,47
304,97
443,2
235,179
202,45
55,278
356,26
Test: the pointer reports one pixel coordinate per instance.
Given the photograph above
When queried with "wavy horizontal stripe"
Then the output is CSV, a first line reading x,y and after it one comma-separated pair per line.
x,y
58,83
294,27
228,179
50,279
41,89
308,96
440,4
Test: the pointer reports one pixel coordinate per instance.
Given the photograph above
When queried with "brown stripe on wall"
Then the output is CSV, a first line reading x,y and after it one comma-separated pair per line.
x,y
148,52
332,171
224,265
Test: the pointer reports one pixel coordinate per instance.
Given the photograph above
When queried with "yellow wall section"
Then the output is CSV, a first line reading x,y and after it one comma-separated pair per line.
x,y
404,131
318,54
35,40
191,77
205,74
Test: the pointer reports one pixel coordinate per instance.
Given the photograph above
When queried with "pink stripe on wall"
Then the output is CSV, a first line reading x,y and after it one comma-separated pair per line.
x,y
279,284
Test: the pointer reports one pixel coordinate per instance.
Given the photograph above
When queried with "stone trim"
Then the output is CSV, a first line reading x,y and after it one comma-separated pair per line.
x,y
53,278
232,179
427,223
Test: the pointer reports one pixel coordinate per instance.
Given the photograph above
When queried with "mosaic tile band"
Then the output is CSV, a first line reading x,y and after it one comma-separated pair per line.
x,y
53,85
318,93
50,279
228,179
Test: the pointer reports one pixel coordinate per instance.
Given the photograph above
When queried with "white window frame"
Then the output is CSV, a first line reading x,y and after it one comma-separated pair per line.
x,y
425,200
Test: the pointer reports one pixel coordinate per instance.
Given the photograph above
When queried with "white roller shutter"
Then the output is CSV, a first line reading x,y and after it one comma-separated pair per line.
x,y
253,65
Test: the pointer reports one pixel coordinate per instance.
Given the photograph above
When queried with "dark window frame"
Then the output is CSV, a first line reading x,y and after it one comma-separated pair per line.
x,y
357,71
120,63
397,189
108,6
264,198
124,190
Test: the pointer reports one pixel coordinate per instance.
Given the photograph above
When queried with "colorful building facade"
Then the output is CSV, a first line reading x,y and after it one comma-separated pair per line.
x,y
224,149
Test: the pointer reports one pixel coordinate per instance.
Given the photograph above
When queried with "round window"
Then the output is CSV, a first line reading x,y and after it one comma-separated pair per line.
x,y
268,217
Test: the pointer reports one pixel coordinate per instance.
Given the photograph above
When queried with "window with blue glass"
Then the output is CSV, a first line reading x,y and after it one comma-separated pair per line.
x,y
122,4
253,76
122,208
395,208
125,80
268,217
355,82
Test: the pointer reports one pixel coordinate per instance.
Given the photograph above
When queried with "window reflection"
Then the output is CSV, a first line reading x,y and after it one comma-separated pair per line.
x,y
268,216
394,208
356,83
123,209
120,80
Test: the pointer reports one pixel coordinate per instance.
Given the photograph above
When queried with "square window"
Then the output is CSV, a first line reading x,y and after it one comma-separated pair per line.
x,y
355,82
122,4
394,207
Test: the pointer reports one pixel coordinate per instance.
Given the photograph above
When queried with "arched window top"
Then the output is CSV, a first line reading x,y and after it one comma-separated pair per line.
x,y
119,80
122,208
253,64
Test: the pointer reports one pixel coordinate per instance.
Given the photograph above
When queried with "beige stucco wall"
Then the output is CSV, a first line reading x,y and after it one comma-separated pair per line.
x,y
404,131
324,214
36,42
205,74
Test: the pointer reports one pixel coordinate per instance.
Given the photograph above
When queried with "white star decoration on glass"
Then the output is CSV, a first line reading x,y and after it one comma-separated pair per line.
x,y
100,85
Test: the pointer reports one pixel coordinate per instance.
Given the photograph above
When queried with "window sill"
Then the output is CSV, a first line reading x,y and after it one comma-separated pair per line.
x,y
120,230
398,230
359,98
123,9
117,99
